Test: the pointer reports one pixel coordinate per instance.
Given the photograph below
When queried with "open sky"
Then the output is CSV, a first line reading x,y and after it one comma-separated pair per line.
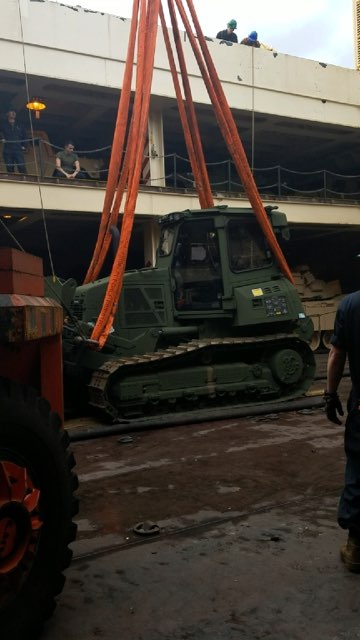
x,y
317,29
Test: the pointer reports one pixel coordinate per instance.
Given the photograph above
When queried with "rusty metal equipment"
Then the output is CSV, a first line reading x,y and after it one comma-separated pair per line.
x,y
36,478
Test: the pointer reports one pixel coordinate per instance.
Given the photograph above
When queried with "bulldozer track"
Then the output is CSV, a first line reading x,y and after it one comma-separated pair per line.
x,y
100,380
312,401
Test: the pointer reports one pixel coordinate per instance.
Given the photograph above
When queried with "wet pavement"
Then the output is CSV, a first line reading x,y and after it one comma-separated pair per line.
x,y
243,537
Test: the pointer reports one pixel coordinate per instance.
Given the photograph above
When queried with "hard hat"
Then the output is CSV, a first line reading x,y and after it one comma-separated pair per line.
x,y
253,36
232,24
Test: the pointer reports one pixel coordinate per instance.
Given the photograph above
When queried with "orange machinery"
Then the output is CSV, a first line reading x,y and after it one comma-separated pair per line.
x,y
30,327
36,479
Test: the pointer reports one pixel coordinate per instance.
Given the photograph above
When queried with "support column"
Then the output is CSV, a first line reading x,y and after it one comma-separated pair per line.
x,y
156,149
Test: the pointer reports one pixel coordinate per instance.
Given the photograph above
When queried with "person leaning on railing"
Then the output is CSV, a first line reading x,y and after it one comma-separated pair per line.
x,y
67,163
228,35
252,41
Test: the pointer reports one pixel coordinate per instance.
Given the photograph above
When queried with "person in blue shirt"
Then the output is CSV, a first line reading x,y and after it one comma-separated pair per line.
x,y
345,343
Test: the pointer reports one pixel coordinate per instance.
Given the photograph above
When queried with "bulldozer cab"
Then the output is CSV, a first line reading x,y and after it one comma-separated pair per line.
x,y
204,252
196,267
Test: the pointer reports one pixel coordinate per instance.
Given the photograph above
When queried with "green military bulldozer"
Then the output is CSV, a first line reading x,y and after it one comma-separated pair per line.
x,y
214,321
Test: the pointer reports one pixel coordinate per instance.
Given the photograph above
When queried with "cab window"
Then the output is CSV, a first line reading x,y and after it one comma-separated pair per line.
x,y
196,267
247,248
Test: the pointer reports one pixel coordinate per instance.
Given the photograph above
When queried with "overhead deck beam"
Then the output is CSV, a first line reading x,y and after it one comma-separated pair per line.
x,y
89,199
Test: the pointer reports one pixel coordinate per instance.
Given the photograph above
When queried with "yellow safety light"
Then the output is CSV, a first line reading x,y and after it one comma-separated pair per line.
x,y
37,105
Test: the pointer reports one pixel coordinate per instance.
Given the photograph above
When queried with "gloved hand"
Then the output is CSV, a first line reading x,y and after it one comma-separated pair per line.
x,y
333,407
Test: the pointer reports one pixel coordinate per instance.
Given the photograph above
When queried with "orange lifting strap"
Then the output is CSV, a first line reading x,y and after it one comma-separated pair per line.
x,y
229,130
144,28
192,133
149,14
109,216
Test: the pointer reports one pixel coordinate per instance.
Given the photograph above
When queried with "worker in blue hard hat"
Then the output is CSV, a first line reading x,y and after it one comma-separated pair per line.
x,y
252,40
228,35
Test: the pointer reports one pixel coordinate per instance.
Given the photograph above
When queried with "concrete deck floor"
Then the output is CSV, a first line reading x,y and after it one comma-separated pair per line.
x,y
248,544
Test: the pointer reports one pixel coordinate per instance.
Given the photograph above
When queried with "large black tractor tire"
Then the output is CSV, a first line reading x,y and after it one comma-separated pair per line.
x,y
37,506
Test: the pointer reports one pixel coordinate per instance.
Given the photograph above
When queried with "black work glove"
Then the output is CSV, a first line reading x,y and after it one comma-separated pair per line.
x,y
333,407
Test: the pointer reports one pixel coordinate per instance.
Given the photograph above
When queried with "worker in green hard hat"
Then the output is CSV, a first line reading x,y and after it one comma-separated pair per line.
x,y
228,35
